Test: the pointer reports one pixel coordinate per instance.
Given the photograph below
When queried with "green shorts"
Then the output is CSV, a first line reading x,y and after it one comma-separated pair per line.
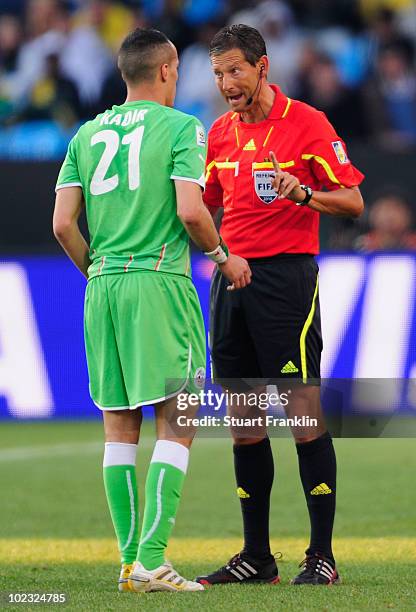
x,y
144,338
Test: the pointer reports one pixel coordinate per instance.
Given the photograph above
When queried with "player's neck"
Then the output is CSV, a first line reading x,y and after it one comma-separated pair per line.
x,y
261,106
152,94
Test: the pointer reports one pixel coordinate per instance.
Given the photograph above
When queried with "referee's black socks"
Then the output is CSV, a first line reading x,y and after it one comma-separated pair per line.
x,y
318,471
254,472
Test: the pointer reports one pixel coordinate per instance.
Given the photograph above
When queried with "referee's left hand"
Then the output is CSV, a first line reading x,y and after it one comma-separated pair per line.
x,y
286,185
237,271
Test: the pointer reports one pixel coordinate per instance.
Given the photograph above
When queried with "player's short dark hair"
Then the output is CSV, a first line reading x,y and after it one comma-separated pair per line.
x,y
239,36
138,57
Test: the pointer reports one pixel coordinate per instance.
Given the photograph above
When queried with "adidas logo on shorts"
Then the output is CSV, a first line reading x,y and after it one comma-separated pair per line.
x,y
289,368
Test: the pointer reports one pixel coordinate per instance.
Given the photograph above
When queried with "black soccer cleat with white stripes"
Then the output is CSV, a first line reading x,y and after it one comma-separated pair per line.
x,y
317,569
242,568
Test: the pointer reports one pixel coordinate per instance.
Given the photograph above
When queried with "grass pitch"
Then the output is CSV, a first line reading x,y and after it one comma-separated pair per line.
x,y
56,534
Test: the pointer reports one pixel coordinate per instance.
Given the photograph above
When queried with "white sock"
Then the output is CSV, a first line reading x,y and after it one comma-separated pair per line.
x,y
172,453
119,453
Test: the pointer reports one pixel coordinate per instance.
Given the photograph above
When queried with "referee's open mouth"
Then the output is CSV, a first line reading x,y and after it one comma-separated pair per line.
x,y
236,99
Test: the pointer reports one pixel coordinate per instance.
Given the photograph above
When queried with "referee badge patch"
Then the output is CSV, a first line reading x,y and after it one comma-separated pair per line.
x,y
340,152
263,186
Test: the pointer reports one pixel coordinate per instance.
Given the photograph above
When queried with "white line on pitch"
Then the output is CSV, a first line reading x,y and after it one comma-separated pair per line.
x,y
17,453
21,453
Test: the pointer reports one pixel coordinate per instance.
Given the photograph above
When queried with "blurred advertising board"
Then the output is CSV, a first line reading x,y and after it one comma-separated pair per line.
x,y
368,320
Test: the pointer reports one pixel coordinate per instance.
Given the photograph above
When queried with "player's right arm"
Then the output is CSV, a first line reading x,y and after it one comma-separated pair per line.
x,y
68,206
188,173
201,229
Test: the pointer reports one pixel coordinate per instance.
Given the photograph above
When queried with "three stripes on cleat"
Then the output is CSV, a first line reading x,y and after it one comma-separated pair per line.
x,y
241,572
325,569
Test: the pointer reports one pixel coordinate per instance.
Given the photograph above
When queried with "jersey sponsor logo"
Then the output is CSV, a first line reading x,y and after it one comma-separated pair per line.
x,y
242,494
321,489
250,146
200,136
263,186
340,152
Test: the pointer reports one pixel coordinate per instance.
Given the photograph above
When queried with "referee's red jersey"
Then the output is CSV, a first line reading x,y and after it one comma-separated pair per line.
x,y
256,223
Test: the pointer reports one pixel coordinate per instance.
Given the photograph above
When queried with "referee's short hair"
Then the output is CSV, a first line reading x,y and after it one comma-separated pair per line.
x,y
239,36
141,53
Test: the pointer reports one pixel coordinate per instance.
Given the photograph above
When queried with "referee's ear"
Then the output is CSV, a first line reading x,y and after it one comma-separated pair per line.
x,y
263,66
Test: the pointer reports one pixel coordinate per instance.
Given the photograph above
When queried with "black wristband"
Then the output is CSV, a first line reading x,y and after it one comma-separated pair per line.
x,y
308,197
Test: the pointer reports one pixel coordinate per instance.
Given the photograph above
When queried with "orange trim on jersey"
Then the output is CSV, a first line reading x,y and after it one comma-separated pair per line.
x,y
126,267
161,256
285,112
325,166
268,136
100,269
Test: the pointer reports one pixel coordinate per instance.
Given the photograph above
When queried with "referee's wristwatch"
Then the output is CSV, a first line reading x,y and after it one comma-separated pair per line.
x,y
308,197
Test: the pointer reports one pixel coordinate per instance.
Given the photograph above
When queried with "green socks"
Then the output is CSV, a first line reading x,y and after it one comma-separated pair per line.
x,y
119,471
163,491
164,484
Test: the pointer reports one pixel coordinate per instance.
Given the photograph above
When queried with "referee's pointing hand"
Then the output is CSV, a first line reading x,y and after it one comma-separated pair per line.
x,y
286,185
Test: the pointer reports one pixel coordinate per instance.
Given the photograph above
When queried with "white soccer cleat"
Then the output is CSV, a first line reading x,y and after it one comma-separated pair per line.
x,y
163,578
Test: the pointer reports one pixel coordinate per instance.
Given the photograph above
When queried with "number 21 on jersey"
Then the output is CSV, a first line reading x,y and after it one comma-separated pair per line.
x,y
101,184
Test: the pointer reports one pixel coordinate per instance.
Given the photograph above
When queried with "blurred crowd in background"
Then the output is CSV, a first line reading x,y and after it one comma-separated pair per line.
x,y
353,59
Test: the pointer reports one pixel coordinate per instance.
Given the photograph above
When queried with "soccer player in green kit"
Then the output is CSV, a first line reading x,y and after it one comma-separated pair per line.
x,y
139,169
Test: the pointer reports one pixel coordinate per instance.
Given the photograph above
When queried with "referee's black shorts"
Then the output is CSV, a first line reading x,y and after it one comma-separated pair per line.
x,y
272,328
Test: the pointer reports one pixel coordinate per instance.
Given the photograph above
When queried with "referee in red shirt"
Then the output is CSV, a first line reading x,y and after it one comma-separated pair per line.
x,y
274,164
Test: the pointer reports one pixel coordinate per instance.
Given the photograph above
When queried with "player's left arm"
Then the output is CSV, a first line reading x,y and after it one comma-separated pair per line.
x,y
68,206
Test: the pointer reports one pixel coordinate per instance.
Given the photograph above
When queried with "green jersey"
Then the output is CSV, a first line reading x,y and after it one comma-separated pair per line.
x,y
126,161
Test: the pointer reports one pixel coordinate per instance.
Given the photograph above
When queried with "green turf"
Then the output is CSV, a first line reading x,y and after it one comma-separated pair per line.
x,y
52,489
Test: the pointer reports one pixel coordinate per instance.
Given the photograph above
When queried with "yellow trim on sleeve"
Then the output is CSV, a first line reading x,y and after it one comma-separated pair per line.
x,y
285,112
325,165
210,166
304,332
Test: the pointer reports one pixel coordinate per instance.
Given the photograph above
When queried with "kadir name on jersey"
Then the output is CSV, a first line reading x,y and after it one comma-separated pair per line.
x,y
123,119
